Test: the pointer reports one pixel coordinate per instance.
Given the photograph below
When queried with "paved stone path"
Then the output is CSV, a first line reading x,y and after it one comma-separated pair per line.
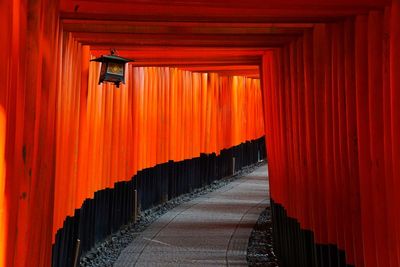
x,y
212,230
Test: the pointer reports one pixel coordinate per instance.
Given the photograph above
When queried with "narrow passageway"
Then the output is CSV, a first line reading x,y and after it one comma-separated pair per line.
x,y
212,230
113,109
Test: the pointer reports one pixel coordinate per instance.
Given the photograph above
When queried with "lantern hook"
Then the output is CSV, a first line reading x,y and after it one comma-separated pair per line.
x,y
113,52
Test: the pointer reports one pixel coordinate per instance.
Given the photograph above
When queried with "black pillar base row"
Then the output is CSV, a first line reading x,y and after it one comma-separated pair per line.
x,y
111,208
295,247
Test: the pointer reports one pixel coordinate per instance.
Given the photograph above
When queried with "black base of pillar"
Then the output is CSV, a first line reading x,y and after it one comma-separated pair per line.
x,y
296,247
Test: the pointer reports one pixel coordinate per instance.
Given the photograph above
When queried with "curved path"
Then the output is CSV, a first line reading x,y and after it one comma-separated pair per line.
x,y
211,230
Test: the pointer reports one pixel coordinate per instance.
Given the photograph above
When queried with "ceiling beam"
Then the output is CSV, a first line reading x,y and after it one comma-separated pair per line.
x,y
246,70
195,63
216,11
182,28
224,36
188,40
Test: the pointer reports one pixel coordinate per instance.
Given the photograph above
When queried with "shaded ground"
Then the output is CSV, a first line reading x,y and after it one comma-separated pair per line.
x,y
260,251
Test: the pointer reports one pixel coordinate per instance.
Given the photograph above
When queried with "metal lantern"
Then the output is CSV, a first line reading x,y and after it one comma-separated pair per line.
x,y
112,68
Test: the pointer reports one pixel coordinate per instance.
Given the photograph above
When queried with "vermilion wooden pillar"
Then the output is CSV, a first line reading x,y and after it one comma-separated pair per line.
x,y
395,118
310,128
319,98
352,144
368,208
376,141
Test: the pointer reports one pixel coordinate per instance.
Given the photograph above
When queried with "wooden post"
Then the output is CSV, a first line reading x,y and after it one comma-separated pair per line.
x,y
77,248
135,205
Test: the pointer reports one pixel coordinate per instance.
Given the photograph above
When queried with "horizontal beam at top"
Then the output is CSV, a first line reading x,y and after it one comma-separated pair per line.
x,y
182,28
68,4
224,68
184,40
141,52
166,11
195,63
246,70
204,58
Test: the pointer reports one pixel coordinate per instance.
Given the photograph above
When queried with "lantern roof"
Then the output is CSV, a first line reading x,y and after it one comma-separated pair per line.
x,y
114,58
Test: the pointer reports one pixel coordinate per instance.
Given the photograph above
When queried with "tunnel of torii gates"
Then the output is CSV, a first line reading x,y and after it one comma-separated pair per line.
x,y
320,79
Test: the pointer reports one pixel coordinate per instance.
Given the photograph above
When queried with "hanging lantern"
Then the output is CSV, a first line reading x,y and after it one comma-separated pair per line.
x,y
112,68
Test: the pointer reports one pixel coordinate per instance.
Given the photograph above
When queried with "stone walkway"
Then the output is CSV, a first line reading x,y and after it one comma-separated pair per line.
x,y
212,230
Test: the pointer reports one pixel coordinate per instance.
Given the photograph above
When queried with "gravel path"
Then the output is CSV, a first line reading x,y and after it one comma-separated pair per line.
x,y
106,253
260,251
210,230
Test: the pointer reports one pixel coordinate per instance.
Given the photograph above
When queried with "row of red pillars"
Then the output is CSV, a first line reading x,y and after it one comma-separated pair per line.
x,y
332,114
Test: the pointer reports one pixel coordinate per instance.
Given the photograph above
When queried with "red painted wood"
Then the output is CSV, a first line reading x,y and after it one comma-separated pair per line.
x,y
375,103
204,11
395,118
352,144
310,127
331,107
350,87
